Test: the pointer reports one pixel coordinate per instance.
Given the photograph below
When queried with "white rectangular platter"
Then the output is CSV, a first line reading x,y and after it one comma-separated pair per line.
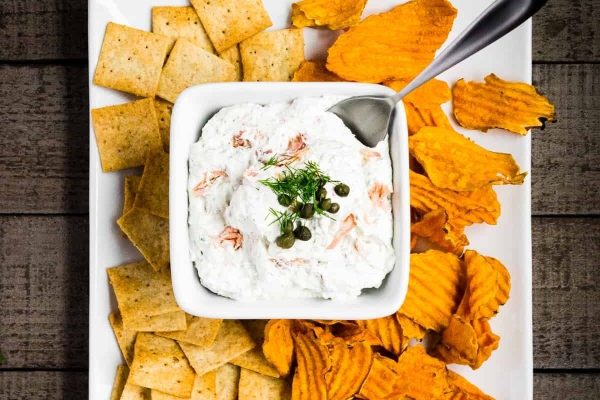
x,y
508,374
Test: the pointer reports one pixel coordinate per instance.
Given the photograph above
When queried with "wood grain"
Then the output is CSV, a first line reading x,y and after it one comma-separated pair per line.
x,y
47,385
561,386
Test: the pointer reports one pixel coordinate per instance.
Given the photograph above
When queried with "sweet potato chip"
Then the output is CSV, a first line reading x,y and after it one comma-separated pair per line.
x,y
410,329
435,289
149,234
420,117
497,103
163,114
232,340
462,389
228,378
254,386
463,208
350,365
205,387
388,331
254,360
489,285
119,384
420,376
160,364
278,346
314,71
199,331
380,380
180,22
435,227
393,45
353,333
313,363
125,338
130,187
454,162
333,14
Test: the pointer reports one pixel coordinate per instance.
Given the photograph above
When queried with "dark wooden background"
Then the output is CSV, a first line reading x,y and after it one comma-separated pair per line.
x,y
44,201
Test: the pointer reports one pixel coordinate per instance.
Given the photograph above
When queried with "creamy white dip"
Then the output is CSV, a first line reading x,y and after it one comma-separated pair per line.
x,y
232,234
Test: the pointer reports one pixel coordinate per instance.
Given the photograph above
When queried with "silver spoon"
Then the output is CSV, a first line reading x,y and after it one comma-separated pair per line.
x,y
369,116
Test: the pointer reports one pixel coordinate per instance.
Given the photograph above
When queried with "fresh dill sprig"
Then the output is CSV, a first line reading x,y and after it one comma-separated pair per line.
x,y
300,183
271,162
285,219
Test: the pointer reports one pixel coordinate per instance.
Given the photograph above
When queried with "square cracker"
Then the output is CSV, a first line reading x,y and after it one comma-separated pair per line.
x,y
125,133
189,65
232,340
130,187
205,387
132,391
164,110
158,395
160,364
180,22
228,378
255,360
142,292
149,234
228,22
131,60
162,322
153,192
254,386
119,384
232,55
125,337
200,331
272,56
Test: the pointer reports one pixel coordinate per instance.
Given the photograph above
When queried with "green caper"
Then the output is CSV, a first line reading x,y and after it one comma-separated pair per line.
x,y
325,204
295,205
334,208
321,193
307,211
302,233
284,200
342,190
287,227
286,241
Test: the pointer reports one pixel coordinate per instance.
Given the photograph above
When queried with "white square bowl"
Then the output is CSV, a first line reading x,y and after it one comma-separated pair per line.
x,y
193,109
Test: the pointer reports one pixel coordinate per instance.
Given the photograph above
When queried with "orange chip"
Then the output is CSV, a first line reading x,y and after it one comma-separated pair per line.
x,y
278,346
333,14
380,380
435,289
350,364
314,71
454,162
410,329
435,227
463,208
462,389
489,285
353,333
393,45
388,331
420,376
513,106
420,117
313,362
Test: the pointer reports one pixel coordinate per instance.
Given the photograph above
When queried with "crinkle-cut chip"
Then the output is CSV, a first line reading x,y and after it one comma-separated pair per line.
x,y
333,14
125,338
180,22
205,387
350,365
273,55
379,383
153,192
149,234
199,331
119,383
233,56
463,208
254,360
228,378
159,363
435,227
435,289
255,386
313,362
420,376
462,389
393,45
418,117
410,329
126,133
454,162
314,71
232,340
497,103
163,322
278,346
353,333
189,65
228,22
433,93
141,292
489,285
389,332
131,60
130,187
163,114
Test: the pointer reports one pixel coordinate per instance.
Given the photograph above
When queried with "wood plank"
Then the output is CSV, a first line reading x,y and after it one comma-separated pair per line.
x,y
566,155
560,386
567,30
43,29
48,385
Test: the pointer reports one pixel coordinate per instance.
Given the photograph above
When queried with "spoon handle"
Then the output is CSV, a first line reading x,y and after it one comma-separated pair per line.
x,y
496,21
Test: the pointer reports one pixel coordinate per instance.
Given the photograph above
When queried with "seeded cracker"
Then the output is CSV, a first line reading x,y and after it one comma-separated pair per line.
x,y
149,234
180,22
125,133
189,65
228,22
125,338
174,321
232,55
163,114
130,188
227,380
131,60
254,386
254,360
205,387
119,384
153,192
200,331
272,56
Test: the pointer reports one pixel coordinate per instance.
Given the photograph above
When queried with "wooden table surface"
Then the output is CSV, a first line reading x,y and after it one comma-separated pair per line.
x,y
44,201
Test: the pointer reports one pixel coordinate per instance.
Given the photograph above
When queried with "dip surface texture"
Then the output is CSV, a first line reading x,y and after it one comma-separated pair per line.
x,y
232,230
